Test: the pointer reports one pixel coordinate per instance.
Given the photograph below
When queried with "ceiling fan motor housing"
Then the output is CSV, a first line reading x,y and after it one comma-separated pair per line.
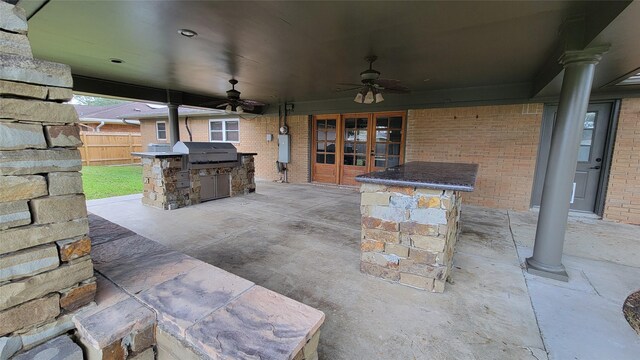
x,y
233,94
370,74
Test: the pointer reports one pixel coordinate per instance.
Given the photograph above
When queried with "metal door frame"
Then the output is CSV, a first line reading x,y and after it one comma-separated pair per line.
x,y
603,182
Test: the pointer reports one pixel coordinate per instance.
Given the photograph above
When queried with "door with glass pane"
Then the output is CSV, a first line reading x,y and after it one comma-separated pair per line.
x,y
587,181
356,147
325,149
387,140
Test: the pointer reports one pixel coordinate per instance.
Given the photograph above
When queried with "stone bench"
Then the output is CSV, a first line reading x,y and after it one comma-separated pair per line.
x,y
198,310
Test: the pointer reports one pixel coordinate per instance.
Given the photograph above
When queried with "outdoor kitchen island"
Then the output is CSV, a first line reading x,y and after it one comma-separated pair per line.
x,y
195,172
410,216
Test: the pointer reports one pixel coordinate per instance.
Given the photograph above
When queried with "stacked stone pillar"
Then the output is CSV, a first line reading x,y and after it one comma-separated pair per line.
x,y
409,234
46,273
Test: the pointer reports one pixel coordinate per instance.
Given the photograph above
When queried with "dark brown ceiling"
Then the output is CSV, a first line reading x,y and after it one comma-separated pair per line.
x,y
298,51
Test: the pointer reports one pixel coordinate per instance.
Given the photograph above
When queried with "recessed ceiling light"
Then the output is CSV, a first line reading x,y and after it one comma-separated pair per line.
x,y
187,33
116,60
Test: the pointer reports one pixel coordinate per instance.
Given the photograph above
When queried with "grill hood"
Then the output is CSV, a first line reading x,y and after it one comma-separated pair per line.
x,y
206,152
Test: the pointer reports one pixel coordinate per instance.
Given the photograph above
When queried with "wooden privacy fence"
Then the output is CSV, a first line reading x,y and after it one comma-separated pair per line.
x,y
109,148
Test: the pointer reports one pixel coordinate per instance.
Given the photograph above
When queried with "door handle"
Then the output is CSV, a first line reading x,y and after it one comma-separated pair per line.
x,y
595,167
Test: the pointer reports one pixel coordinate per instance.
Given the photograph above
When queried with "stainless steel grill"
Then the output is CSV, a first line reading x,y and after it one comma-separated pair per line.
x,y
206,152
205,155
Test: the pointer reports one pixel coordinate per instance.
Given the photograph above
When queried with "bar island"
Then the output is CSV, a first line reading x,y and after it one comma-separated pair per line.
x,y
410,216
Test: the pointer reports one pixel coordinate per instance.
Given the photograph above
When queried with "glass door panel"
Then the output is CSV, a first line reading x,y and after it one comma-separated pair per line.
x,y
355,159
325,151
387,147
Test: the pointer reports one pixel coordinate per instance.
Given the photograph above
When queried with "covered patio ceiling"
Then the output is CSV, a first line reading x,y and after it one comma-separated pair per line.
x,y
445,52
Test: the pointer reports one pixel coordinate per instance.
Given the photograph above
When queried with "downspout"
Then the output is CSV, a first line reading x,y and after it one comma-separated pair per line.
x,y
99,126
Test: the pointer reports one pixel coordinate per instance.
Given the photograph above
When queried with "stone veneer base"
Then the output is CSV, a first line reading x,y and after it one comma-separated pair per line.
x,y
162,177
409,234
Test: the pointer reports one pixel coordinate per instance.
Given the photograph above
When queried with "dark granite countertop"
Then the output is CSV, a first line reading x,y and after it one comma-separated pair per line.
x,y
422,174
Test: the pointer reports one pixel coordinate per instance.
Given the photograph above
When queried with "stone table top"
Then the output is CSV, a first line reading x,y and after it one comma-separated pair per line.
x,y
423,174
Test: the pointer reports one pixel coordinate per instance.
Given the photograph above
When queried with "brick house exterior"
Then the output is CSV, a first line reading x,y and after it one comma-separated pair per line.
x,y
253,135
502,139
622,201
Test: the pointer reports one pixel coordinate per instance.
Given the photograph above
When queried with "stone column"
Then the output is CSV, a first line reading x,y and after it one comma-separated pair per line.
x,y
579,67
46,273
174,125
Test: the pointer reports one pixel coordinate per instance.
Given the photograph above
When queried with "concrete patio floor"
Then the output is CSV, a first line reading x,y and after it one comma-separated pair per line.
x,y
303,241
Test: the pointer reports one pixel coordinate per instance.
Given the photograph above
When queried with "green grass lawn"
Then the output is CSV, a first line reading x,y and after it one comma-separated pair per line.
x,y
106,181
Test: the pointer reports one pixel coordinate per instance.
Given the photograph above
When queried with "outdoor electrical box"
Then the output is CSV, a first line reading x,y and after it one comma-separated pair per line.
x,y
283,148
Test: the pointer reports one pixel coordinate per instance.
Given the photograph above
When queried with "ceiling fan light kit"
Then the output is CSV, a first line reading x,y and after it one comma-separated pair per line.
x,y
370,92
369,98
372,97
235,104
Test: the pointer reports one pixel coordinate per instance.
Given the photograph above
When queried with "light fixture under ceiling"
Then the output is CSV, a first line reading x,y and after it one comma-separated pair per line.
x,y
371,96
371,88
187,33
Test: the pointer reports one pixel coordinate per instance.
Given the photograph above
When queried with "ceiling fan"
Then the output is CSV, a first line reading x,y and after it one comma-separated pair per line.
x,y
372,87
234,103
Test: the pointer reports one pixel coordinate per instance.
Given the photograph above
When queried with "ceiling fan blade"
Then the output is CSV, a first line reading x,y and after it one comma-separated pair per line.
x,y
211,104
392,91
349,89
252,102
246,106
349,84
391,85
223,105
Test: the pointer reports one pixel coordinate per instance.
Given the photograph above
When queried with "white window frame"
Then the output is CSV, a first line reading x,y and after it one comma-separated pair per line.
x,y
165,130
224,130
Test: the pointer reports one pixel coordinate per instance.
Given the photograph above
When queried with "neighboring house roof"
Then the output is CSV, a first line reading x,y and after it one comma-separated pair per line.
x,y
163,113
129,111
112,113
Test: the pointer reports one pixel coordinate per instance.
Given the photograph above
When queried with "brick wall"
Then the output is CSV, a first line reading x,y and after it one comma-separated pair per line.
x,y
253,138
503,140
623,194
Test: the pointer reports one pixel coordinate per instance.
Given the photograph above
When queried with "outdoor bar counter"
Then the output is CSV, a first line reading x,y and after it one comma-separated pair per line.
x,y
170,182
410,216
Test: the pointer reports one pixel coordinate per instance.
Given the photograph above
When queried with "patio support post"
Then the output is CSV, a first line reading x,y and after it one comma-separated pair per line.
x,y
579,68
174,129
